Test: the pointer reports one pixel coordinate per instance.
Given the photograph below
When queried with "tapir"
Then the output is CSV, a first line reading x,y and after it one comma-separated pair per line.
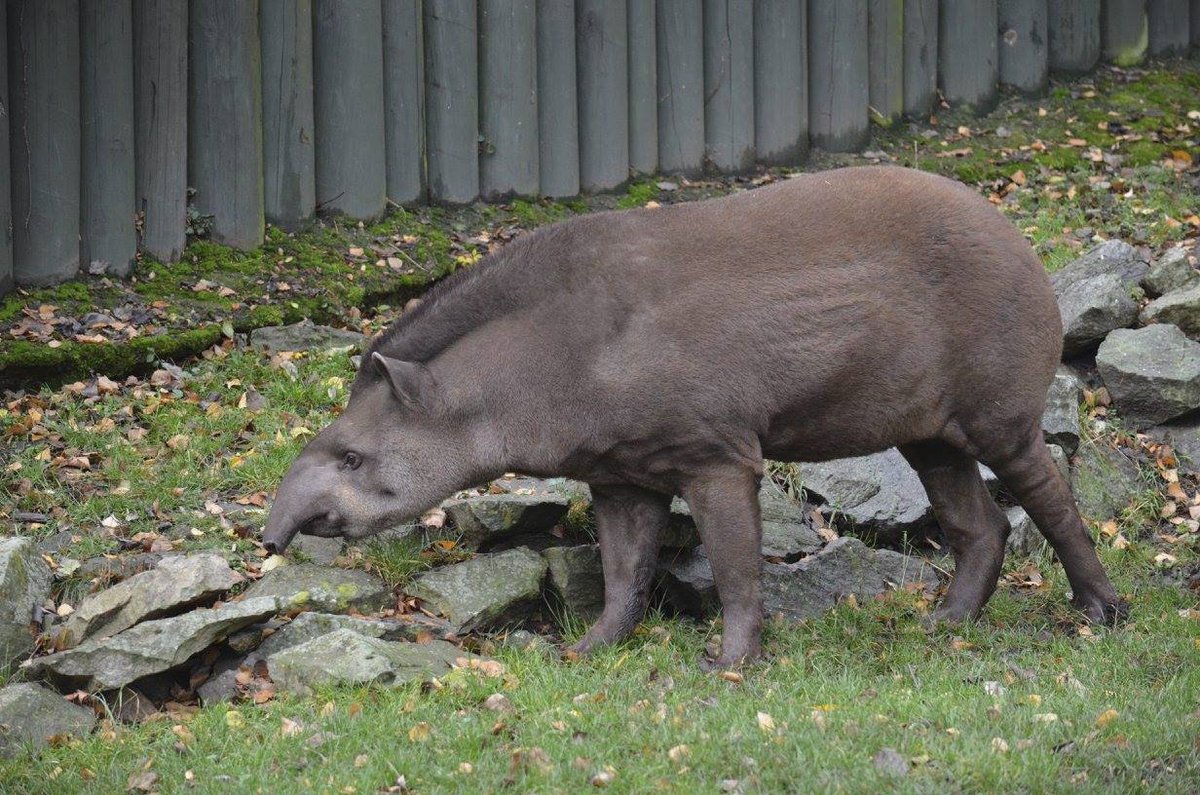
x,y
669,350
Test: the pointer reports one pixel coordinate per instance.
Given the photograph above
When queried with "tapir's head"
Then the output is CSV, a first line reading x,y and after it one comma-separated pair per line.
x,y
400,447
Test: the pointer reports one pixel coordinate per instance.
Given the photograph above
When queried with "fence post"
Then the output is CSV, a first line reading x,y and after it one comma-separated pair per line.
x,y
451,100
508,160
838,92
885,32
780,81
1168,25
1123,31
558,110
729,84
44,62
404,100
289,161
601,37
1194,24
679,26
6,253
967,52
1023,57
643,87
1074,35
920,56
225,162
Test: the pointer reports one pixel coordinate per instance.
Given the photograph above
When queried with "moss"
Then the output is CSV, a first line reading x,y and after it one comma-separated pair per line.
x,y
638,194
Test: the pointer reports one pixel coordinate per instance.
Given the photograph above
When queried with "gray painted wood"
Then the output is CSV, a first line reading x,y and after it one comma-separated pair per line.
x,y
1123,31
225,160
404,100
602,65
1074,35
160,124
508,98
838,92
643,87
885,33
451,100
1024,60
780,81
348,107
679,28
968,65
6,253
920,56
1168,26
729,84
44,128
289,153
1194,22
106,200
558,110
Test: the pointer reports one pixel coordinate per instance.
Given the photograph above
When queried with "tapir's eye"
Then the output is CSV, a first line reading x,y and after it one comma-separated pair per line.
x,y
351,460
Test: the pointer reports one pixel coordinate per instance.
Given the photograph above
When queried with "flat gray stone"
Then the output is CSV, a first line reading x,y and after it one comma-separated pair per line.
x,y
1114,257
1024,538
488,519
305,336
1152,373
1104,481
324,588
788,529
307,626
1060,421
24,582
1170,272
323,551
578,576
1184,438
1091,308
1180,308
30,715
485,591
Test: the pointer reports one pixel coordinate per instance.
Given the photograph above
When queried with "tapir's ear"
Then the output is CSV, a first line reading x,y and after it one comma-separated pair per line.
x,y
411,382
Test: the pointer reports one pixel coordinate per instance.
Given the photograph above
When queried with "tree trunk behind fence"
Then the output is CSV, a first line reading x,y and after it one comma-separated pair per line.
x,y
838,91
729,84
885,24
6,253
558,110
404,100
603,73
1168,26
160,124
780,81
289,153
1022,47
643,87
967,53
1074,27
44,60
451,100
508,160
680,30
920,56
1123,31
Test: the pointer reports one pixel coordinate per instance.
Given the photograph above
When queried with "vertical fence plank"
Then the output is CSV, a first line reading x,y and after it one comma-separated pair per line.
x,y
679,28
289,159
451,100
885,31
558,111
1194,22
107,233
1024,60
967,53
1123,31
6,254
404,100
729,84
225,165
508,161
1074,35
348,106
920,56
780,81
603,74
44,65
1168,26
838,92
643,87
160,123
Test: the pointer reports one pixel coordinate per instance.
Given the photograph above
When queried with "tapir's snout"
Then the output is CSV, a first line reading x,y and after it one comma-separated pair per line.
x,y
299,509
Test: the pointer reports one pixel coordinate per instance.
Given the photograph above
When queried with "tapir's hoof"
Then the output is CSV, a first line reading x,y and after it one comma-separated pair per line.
x,y
728,662
1106,612
945,617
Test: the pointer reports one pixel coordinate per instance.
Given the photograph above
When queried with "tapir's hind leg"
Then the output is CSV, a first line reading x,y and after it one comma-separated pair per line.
x,y
1031,476
971,521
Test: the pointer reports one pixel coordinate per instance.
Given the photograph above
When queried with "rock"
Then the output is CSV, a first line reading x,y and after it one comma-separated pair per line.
x,y
890,763
305,336
1091,308
531,642
485,521
1152,373
131,706
221,685
485,591
307,626
686,580
578,577
1104,481
323,551
1113,257
1184,438
121,567
176,583
150,647
1180,308
1061,460
524,484
346,657
1060,421
788,529
30,715
1170,272
1024,539
24,582
324,588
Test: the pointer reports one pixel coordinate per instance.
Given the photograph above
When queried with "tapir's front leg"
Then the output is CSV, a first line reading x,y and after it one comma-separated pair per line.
x,y
629,523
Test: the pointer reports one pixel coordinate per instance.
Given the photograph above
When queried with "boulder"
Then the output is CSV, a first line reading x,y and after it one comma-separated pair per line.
x,y
1170,272
175,584
305,336
577,576
1113,257
1184,437
1104,481
1060,421
323,588
323,551
150,647
307,626
1091,308
346,657
1152,373
488,520
221,684
30,715
1024,539
24,582
120,567
788,529
1180,308
486,591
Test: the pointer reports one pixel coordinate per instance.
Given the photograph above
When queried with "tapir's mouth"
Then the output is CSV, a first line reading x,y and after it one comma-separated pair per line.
x,y
279,534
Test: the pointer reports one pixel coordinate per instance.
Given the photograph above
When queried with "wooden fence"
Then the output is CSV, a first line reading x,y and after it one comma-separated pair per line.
x,y
121,121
